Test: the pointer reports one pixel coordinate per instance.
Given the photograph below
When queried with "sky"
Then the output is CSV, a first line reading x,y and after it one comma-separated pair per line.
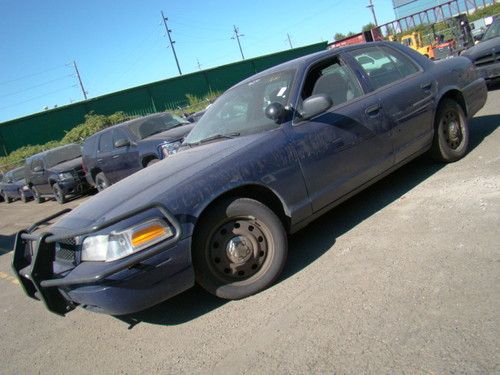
x,y
122,44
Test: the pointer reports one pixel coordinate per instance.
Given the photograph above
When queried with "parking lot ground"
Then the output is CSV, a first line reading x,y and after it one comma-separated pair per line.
x,y
403,277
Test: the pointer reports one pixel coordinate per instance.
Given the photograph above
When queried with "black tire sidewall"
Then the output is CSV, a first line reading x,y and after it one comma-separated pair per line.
x,y
59,194
273,265
36,195
102,177
23,196
440,149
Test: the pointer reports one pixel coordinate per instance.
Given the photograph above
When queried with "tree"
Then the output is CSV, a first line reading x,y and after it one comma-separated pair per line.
x,y
339,36
351,33
368,26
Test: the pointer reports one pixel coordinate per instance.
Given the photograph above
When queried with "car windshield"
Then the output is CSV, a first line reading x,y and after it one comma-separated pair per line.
x,y
62,154
493,31
147,126
241,110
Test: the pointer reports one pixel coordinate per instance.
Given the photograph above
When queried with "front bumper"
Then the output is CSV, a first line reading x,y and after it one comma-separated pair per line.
x,y
121,287
74,187
490,72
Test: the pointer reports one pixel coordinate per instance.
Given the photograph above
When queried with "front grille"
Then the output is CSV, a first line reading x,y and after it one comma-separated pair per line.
x,y
66,251
488,59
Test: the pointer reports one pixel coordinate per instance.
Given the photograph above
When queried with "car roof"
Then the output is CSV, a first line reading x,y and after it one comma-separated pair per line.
x,y
131,121
44,153
307,59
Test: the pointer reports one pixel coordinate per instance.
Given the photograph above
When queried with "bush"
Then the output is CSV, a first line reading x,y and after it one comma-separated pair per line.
x,y
92,124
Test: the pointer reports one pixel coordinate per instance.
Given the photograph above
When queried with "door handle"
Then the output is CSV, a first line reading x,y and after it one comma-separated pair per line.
x,y
373,110
116,156
426,86
99,160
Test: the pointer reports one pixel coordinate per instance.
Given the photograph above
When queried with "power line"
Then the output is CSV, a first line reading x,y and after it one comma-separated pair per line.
x,y
31,75
35,86
38,97
237,36
172,42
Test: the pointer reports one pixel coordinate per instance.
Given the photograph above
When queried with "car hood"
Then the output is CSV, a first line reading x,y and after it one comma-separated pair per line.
x,y
67,165
483,49
150,184
172,134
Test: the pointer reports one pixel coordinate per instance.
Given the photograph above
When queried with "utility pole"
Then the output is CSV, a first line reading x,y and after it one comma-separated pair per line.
x,y
289,40
372,8
172,42
198,63
237,37
80,80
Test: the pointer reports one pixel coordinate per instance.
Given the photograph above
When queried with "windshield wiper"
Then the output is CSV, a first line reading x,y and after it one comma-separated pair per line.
x,y
214,137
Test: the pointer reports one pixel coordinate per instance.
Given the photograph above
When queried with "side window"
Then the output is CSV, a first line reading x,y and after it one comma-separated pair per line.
x,y
106,142
119,134
334,79
36,163
383,65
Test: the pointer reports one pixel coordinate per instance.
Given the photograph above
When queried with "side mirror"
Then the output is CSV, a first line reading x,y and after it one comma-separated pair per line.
x,y
38,169
275,111
123,142
314,105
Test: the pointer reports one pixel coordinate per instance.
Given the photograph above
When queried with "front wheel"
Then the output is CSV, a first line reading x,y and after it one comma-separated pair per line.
x,y
24,199
101,182
6,198
239,248
451,132
59,194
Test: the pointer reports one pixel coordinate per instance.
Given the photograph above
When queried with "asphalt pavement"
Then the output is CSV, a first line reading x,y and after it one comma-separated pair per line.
x,y
404,277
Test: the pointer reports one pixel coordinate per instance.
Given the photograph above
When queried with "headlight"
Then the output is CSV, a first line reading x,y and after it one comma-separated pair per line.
x,y
25,188
170,148
65,176
117,245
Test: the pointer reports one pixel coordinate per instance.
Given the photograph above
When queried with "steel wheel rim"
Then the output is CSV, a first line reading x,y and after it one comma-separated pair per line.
x,y
101,185
238,249
453,129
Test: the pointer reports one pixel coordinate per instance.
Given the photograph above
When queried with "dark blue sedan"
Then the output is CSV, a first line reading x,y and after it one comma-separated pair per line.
x,y
13,186
268,157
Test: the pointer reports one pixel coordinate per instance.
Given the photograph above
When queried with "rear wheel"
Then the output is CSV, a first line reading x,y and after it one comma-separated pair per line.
x,y
59,194
101,182
36,195
451,132
151,162
239,248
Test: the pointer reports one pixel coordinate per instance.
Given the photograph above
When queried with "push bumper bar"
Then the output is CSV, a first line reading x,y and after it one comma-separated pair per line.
x,y
34,255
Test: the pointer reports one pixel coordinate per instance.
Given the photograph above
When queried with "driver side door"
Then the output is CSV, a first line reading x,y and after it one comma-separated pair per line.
x,y
346,146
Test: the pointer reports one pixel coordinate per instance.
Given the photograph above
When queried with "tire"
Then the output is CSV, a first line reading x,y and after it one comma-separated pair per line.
x,y
151,162
36,195
24,199
6,198
451,132
239,248
101,182
59,194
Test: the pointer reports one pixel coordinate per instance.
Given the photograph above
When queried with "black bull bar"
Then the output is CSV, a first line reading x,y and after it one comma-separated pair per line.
x,y
34,255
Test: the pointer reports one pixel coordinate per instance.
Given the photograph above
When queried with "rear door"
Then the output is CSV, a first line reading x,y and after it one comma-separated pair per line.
x,y
406,92
346,146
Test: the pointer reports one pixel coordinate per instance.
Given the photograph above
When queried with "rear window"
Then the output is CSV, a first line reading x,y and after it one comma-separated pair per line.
x,y
60,155
148,126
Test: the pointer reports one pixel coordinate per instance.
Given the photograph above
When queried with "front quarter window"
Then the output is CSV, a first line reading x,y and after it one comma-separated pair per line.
x,y
241,110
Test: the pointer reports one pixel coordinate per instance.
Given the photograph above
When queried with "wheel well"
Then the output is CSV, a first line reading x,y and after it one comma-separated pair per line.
x,y
456,96
147,159
259,193
94,173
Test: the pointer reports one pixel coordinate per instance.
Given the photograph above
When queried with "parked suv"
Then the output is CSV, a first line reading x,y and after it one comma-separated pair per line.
x,y
13,186
56,173
123,149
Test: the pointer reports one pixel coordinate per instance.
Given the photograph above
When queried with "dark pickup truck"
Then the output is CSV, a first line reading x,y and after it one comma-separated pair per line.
x,y
13,186
123,149
56,173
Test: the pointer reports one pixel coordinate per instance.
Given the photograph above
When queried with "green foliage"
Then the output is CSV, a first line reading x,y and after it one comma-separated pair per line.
x,y
196,104
368,26
92,124
339,36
